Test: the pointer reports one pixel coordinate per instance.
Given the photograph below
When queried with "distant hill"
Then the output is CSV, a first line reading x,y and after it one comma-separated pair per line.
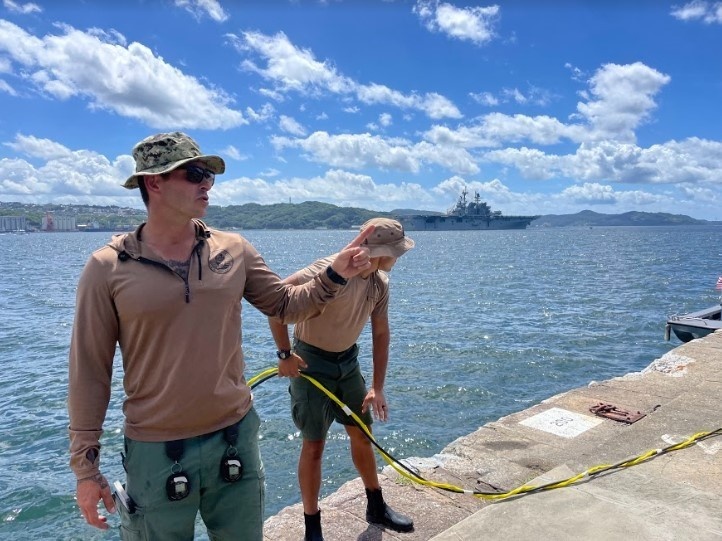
x,y
306,215
591,218
314,215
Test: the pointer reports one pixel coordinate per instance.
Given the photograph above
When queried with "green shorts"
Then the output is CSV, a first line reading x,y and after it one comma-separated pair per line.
x,y
230,511
313,412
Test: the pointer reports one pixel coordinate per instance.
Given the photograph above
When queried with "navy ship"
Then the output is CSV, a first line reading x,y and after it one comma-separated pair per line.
x,y
465,215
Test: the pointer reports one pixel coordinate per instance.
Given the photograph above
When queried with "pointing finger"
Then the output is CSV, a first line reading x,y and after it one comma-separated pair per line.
x,y
361,237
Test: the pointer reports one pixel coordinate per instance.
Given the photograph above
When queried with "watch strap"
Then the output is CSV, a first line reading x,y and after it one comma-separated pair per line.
x,y
335,277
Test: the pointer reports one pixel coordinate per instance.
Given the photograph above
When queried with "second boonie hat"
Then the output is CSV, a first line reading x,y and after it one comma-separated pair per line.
x,y
388,238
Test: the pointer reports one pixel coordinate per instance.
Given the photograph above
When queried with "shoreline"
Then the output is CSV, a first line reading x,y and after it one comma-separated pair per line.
x,y
678,394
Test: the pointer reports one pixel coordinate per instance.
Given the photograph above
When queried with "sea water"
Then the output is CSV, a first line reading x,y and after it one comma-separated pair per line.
x,y
483,324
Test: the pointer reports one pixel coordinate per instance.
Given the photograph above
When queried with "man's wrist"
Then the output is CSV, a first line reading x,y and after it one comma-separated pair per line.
x,y
97,478
284,354
335,277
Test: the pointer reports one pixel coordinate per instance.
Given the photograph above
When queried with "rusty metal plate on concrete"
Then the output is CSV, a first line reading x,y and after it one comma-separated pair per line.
x,y
610,411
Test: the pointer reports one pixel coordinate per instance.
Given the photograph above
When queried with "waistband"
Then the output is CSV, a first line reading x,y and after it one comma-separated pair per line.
x,y
329,355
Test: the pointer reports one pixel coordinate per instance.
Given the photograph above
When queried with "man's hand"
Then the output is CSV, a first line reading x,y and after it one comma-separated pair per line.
x,y
89,492
291,367
354,258
377,401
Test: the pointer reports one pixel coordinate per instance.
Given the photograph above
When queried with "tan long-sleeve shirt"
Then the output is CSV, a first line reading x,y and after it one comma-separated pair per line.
x,y
180,340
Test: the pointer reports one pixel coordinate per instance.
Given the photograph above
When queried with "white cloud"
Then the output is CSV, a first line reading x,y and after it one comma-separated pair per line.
x,y
385,119
264,113
485,98
693,160
359,151
533,96
130,81
199,8
335,186
290,125
577,73
270,173
233,153
623,98
65,175
38,148
707,12
85,177
24,9
5,87
291,69
475,24
590,193
496,129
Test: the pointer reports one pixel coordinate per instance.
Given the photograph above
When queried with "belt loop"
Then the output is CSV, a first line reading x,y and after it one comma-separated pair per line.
x,y
230,434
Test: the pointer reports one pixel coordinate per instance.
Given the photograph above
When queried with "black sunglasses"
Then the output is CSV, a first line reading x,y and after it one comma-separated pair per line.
x,y
196,174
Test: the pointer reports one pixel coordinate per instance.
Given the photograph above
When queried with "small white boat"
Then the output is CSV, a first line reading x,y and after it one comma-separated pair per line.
x,y
687,327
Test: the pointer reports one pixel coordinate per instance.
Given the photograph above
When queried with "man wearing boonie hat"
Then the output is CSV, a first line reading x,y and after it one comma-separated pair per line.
x,y
169,294
325,348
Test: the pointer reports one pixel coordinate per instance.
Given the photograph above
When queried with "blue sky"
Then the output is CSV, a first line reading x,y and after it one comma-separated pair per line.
x,y
542,107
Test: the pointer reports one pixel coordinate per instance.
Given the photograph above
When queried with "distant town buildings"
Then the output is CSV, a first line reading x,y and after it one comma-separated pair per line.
x,y
58,223
13,223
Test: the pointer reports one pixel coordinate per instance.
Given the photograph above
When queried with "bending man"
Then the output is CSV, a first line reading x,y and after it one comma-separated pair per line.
x,y
324,347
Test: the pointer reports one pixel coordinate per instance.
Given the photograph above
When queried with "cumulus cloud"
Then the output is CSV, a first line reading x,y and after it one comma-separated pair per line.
x,y
485,98
24,9
75,176
622,98
497,129
290,125
475,24
200,8
292,69
130,81
692,160
38,148
359,151
64,175
336,186
707,12
5,87
233,153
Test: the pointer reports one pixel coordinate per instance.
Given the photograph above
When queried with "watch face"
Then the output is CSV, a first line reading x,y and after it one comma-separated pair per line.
x,y
283,354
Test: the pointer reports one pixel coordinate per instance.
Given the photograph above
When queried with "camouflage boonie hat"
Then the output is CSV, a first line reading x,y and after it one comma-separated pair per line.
x,y
388,238
164,152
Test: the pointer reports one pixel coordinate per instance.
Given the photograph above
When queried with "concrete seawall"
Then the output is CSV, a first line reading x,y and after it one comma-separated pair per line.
x,y
677,495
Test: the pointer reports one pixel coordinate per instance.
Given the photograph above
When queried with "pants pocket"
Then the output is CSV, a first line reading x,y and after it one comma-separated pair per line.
x,y
131,525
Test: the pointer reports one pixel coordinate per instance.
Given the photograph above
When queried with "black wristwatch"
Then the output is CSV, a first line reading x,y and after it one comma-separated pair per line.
x,y
335,277
283,354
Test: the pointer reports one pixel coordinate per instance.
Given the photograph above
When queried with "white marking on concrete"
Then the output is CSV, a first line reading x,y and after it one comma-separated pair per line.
x,y
710,447
561,422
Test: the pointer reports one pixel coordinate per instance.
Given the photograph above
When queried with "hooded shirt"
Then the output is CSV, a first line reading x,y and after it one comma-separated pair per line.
x,y
180,340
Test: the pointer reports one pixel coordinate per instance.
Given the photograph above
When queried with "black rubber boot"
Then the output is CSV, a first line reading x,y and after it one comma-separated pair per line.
x,y
378,512
313,527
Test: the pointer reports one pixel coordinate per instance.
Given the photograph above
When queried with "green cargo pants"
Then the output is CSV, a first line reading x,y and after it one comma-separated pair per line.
x,y
230,511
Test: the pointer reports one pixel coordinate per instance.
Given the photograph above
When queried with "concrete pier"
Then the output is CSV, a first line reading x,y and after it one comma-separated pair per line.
x,y
674,496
